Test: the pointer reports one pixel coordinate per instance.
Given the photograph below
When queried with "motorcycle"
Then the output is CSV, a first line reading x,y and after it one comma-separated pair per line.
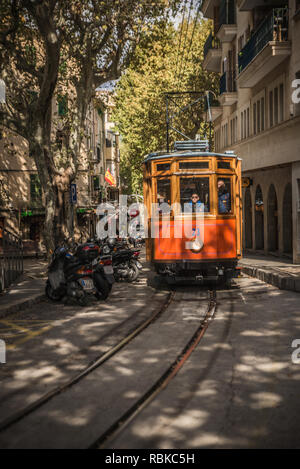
x,y
125,261
79,275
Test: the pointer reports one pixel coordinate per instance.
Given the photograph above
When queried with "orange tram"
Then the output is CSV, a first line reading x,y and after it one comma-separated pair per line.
x,y
193,187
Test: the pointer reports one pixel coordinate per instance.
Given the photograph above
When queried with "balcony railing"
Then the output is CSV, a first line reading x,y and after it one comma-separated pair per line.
x,y
273,28
228,82
227,13
11,258
213,102
212,42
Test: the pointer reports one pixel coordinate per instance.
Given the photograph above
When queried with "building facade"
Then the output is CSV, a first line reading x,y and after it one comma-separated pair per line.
x,y
21,201
111,139
254,46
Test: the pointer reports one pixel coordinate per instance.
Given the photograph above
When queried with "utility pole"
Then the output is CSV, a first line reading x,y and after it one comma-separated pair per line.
x,y
167,122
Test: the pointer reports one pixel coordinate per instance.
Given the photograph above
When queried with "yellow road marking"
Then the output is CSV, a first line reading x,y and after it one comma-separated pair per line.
x,y
31,333
6,329
9,335
29,336
15,326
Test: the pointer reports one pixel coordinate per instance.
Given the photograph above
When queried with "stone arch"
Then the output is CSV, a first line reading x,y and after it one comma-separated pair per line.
x,y
287,219
272,220
259,219
248,220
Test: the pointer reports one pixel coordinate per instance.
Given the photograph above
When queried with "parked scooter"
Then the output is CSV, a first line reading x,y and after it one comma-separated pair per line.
x,y
126,264
79,275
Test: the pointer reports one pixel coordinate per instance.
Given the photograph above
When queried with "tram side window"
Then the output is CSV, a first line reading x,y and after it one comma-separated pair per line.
x,y
194,194
164,195
224,195
163,167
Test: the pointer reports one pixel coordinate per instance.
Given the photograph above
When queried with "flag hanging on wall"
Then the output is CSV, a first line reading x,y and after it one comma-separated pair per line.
x,y
109,178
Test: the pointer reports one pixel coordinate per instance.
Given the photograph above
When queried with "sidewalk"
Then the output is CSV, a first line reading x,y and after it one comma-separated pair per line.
x,y
276,271
27,290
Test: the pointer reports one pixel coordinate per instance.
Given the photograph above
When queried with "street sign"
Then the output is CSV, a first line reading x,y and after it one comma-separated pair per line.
x,y
73,194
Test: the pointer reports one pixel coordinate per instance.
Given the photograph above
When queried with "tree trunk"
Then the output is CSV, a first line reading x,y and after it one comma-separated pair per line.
x,y
49,226
41,158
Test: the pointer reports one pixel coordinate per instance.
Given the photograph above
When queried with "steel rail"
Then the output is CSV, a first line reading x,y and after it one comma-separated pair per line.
x,y
21,414
119,425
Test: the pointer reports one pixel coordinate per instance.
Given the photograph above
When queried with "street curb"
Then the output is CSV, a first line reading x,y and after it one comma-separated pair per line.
x,y
280,281
21,305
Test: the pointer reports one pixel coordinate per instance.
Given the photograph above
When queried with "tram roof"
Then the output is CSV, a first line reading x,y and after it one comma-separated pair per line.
x,y
188,149
187,154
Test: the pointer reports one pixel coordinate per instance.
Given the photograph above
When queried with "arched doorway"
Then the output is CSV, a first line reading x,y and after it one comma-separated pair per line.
x,y
272,220
287,220
248,219
259,219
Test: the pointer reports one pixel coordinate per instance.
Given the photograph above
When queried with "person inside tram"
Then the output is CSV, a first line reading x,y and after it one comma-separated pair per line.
x,y
224,201
194,205
163,203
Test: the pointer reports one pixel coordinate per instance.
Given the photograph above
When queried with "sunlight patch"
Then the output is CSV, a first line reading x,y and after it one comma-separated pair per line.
x,y
265,400
124,371
271,367
191,419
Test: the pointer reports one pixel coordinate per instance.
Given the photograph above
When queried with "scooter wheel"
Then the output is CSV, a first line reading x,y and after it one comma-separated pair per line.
x,y
83,301
103,287
52,294
133,273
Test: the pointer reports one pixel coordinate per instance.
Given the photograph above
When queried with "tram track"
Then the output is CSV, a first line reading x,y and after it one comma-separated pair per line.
x,y
21,414
120,424
115,427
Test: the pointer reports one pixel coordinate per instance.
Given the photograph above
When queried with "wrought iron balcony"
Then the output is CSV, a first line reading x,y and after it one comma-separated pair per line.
x,y
273,28
212,54
212,42
227,13
228,82
215,108
213,102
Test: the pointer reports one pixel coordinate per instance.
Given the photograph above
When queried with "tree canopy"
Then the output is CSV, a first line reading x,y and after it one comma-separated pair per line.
x,y
165,60
63,50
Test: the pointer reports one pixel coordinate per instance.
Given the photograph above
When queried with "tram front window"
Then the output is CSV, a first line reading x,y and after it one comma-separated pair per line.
x,y
194,194
164,195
